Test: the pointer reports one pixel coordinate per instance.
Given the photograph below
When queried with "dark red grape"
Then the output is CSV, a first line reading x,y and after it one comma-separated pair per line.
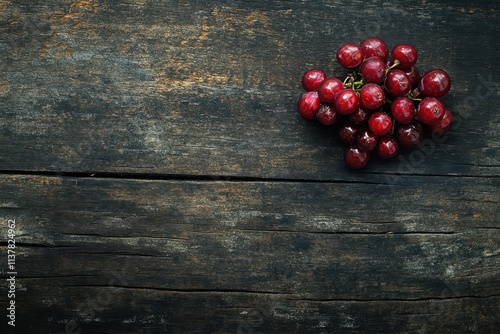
x,y
373,46
355,157
430,110
397,83
346,101
373,70
406,55
410,135
360,116
387,147
435,83
312,79
403,109
367,140
348,133
350,55
329,88
380,123
444,124
327,115
372,96
308,105
413,75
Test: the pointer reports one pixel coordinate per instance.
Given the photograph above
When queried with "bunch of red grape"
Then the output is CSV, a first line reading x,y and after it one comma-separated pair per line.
x,y
382,105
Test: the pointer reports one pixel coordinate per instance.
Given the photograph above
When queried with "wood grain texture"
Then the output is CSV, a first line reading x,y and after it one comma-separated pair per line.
x,y
162,181
133,256
168,87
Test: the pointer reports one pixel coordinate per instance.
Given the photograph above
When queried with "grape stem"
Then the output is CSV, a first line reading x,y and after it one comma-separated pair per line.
x,y
396,63
357,84
414,94
350,81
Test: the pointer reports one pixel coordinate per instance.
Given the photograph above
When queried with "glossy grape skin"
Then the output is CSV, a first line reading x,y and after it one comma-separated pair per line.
x,y
430,110
367,140
329,88
397,83
348,133
308,105
350,55
372,96
435,83
374,46
406,55
410,135
373,70
326,114
360,116
414,75
380,123
312,79
387,147
346,101
403,110
356,158
444,125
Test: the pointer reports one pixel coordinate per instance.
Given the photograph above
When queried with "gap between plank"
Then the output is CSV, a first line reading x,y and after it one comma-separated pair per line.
x,y
176,177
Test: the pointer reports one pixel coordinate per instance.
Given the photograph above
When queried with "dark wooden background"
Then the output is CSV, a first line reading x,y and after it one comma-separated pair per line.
x,y
162,182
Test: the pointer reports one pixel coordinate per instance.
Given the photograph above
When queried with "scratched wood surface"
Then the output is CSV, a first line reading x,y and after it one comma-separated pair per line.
x,y
162,182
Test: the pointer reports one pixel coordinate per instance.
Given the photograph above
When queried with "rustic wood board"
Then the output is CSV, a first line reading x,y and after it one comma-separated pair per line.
x,y
172,87
162,182
119,255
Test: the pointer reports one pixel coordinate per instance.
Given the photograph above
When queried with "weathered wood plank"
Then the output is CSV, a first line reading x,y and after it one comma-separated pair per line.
x,y
210,89
130,310
117,255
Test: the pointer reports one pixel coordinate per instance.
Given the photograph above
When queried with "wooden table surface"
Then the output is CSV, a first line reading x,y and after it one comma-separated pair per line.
x,y
161,181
